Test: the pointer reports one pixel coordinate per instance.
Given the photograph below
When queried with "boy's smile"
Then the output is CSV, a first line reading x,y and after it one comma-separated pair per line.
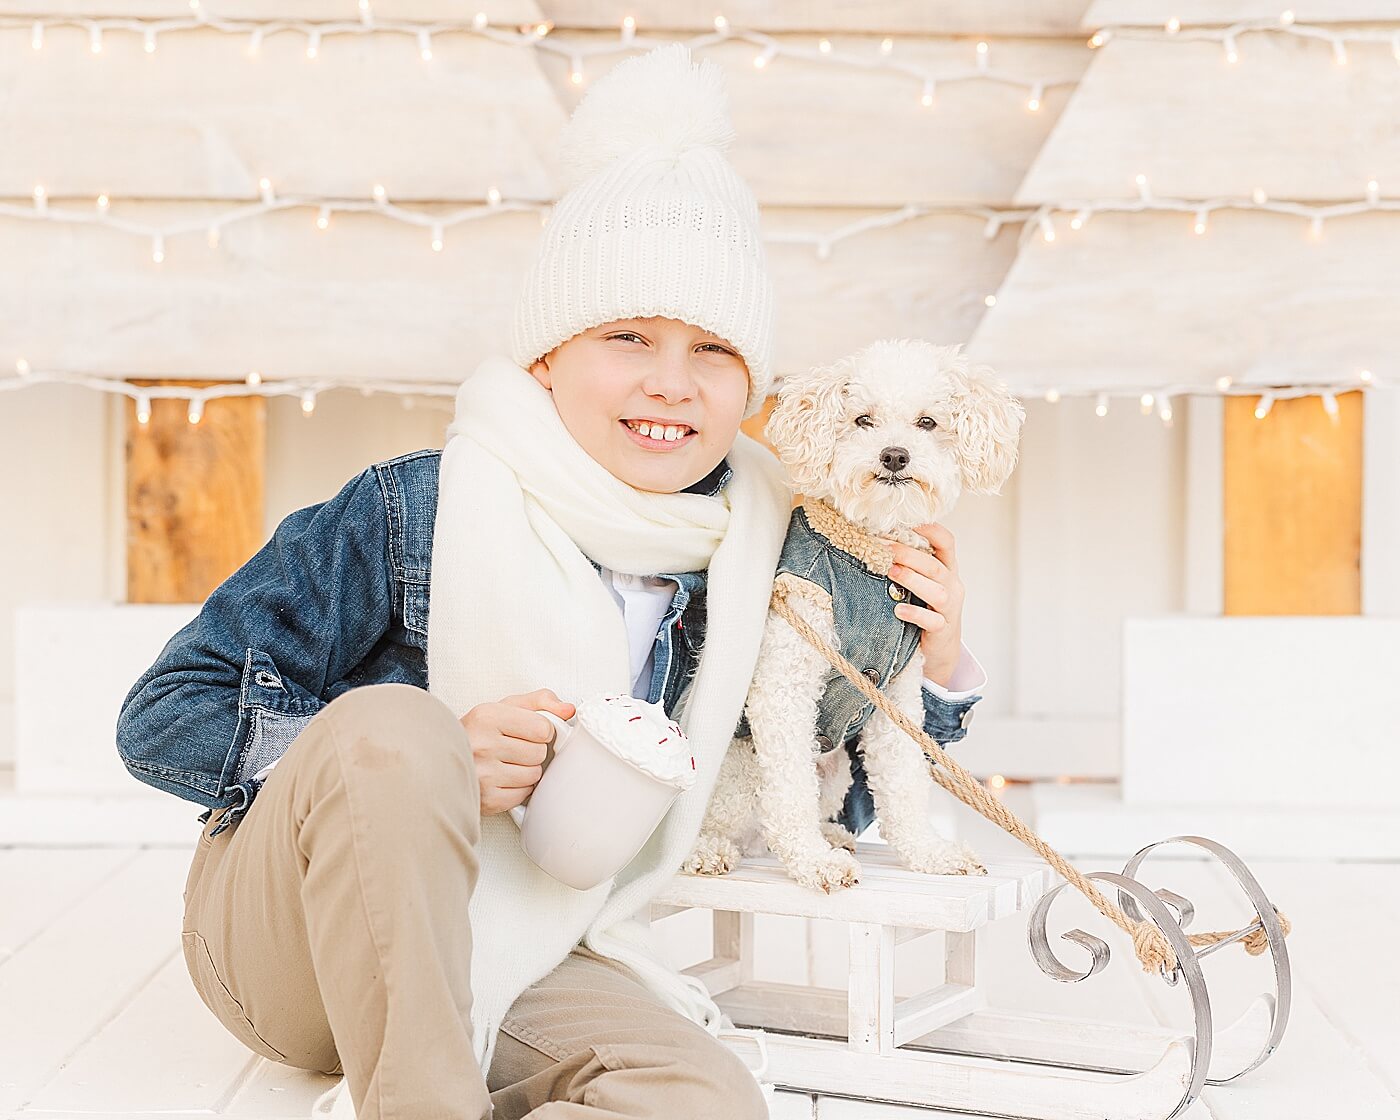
x,y
656,401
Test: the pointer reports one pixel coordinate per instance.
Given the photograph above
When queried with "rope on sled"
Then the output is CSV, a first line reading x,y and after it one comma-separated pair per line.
x,y
1149,943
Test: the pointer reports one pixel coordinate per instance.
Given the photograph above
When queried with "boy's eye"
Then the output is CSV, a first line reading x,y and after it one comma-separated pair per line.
x,y
625,334
721,349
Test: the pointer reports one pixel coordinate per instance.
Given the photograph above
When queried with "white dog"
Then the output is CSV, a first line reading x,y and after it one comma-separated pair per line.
x,y
883,440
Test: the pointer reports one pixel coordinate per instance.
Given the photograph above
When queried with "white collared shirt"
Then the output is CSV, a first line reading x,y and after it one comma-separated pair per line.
x,y
644,601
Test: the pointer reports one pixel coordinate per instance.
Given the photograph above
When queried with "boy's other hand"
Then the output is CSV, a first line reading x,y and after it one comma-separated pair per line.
x,y
510,740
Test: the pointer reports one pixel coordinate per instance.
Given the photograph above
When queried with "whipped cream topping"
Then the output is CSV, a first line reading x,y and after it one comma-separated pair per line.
x,y
641,734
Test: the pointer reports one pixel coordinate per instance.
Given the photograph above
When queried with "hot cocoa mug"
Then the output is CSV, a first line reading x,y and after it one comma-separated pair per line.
x,y
617,767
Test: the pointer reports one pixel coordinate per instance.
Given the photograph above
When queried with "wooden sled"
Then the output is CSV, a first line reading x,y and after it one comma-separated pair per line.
x,y
944,1048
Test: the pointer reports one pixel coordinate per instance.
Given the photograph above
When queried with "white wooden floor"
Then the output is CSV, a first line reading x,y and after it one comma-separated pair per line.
x,y
98,1016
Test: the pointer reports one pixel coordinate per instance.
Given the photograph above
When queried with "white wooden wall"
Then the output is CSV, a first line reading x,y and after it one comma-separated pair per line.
x,y
1105,518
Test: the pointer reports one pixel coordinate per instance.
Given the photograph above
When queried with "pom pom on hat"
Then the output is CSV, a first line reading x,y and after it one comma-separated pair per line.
x,y
659,100
654,221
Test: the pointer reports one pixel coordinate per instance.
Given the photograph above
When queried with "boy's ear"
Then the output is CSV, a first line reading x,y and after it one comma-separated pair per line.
x,y
803,425
987,420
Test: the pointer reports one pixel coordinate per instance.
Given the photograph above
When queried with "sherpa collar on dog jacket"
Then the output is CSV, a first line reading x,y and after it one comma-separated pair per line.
x,y
852,568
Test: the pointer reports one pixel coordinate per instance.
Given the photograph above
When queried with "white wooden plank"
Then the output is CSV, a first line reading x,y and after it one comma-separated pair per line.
x,y
58,982
200,118
1380,513
163,1050
39,885
1153,106
1260,307
1215,12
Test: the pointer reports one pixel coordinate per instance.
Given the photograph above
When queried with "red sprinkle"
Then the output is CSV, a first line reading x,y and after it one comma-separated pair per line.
x,y
692,762
634,719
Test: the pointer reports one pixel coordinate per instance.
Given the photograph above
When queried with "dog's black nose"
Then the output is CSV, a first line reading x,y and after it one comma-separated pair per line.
x,y
894,459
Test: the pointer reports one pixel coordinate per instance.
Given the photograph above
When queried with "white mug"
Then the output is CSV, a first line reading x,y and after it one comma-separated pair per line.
x,y
593,809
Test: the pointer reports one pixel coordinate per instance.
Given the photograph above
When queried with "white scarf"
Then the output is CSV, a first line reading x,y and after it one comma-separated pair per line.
x,y
516,606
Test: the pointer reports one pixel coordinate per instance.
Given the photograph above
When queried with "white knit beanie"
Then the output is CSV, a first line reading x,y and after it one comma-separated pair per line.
x,y
654,220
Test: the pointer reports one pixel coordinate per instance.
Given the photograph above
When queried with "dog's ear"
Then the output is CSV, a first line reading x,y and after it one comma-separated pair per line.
x,y
803,424
987,420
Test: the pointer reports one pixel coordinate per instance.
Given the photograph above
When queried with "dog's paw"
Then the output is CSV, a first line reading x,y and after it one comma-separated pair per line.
x,y
833,870
944,858
713,855
839,836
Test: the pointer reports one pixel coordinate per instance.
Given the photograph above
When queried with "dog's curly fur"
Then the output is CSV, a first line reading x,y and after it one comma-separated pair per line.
x,y
777,786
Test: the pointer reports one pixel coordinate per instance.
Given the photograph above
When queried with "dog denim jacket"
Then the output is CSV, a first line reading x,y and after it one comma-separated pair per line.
x,y
872,637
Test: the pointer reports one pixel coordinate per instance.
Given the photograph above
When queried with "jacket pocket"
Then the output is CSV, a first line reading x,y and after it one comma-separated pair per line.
x,y
220,1000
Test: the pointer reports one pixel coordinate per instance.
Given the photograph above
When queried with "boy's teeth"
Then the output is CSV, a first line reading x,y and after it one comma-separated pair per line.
x,y
657,431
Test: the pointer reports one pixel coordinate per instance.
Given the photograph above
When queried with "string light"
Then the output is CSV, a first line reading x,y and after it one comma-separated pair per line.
x,y
1266,402
990,301
1284,24
1052,396
308,402
1329,405
196,411
1146,404
1101,407
538,36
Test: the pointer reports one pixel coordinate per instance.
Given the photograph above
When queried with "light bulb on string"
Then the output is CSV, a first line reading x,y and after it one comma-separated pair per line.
x,y
479,21
576,71
493,196
1200,226
1316,224
158,248
150,40
22,367
1286,17
1079,220
763,59
1373,191
824,46
308,402
379,193
721,24
982,58
36,38
1232,55
1266,402
1098,39
1052,396
1365,375
1047,228
544,28
886,46
425,45
213,236
629,28
313,43
1101,406
196,410
437,239
255,40
1339,51
1141,180
1164,410
926,98
41,199
143,409
1034,103
365,16
95,38
1224,383
1146,404
1173,25
1329,405
323,219
254,378
265,189
1260,196
990,301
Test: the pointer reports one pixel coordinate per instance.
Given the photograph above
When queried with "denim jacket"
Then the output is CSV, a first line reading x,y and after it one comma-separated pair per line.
x,y
337,599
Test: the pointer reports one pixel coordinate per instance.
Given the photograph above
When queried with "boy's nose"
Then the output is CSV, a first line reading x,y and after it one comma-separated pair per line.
x,y
894,458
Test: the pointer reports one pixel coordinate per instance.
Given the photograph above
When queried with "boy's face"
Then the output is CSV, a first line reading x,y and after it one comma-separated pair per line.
x,y
648,369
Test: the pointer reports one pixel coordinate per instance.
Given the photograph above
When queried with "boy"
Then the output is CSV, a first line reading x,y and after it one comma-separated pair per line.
x,y
596,521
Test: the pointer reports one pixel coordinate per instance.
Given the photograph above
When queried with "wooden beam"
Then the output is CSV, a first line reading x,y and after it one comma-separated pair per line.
x,y
194,495
1292,513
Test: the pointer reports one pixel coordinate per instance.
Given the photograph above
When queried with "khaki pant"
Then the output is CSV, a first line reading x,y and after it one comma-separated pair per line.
x,y
328,930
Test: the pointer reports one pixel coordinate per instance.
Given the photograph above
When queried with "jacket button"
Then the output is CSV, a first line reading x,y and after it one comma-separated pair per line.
x,y
896,592
873,675
824,743
967,717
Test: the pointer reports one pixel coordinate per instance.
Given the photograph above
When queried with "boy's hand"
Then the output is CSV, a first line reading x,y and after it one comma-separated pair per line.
x,y
934,579
509,742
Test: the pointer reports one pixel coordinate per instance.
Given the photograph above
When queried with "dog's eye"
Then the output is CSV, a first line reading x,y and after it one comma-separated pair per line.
x,y
928,423
869,421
